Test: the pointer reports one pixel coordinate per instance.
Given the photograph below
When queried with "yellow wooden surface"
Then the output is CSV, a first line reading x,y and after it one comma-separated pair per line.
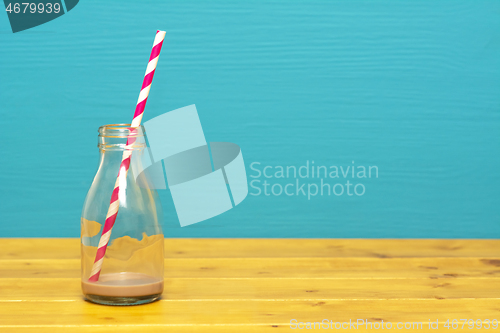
x,y
259,285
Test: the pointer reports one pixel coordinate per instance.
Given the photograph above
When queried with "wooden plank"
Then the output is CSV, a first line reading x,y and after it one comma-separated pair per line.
x,y
199,312
297,248
164,328
367,268
68,289
69,248
221,285
225,328
206,328
39,248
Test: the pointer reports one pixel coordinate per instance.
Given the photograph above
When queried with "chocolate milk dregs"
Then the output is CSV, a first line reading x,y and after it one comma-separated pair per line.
x,y
124,285
132,272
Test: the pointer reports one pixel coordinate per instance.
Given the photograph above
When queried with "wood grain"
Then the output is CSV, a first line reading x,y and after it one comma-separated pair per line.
x,y
244,311
361,268
181,289
234,285
47,248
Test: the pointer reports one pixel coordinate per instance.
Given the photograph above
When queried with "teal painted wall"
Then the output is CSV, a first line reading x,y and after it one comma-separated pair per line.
x,y
410,87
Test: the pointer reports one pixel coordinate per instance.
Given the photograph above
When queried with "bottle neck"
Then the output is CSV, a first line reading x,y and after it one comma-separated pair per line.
x,y
116,138
112,144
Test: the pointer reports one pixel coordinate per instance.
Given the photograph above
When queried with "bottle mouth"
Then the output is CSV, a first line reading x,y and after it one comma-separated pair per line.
x,y
120,131
113,137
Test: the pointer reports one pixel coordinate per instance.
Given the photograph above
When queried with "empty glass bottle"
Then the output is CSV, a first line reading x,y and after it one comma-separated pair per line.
x,y
132,268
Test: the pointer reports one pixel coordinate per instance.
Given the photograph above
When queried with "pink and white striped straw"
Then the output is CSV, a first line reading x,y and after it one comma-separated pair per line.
x,y
125,164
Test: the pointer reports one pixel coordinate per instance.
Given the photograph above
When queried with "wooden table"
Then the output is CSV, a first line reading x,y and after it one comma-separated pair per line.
x,y
260,285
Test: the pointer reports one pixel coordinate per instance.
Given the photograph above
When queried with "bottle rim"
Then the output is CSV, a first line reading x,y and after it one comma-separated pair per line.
x,y
113,137
119,131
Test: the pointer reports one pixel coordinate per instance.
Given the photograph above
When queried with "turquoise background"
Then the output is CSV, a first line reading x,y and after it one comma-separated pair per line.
x,y
411,87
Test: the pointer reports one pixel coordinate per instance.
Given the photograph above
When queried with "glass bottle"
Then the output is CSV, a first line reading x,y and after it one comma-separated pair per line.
x,y
132,269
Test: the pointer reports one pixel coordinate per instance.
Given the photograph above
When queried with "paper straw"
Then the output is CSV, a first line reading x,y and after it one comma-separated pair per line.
x,y
114,204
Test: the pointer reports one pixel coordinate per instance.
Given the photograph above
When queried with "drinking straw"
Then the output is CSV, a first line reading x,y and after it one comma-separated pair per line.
x,y
114,204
